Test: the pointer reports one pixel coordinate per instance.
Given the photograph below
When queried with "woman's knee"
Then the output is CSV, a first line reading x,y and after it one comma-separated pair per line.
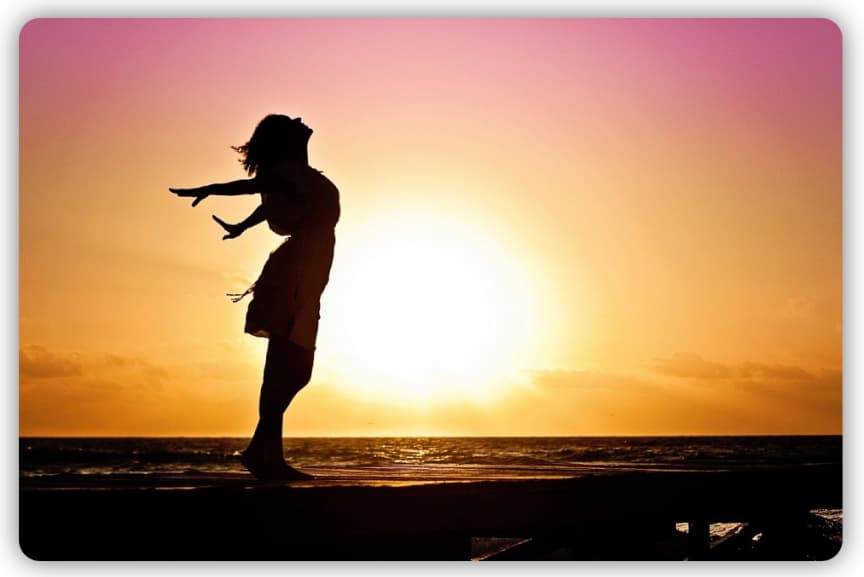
x,y
288,364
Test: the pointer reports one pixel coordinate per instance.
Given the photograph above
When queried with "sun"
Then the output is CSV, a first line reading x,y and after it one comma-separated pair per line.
x,y
427,308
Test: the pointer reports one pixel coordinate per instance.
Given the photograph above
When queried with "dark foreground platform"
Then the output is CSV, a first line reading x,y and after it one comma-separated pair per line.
x,y
610,516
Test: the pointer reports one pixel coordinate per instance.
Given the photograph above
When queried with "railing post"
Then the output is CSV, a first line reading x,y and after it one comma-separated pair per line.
x,y
698,539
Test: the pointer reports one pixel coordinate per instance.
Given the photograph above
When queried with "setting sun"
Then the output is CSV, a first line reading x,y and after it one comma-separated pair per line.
x,y
431,308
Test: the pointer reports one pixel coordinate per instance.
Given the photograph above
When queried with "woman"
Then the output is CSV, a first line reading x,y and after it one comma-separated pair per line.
x,y
299,202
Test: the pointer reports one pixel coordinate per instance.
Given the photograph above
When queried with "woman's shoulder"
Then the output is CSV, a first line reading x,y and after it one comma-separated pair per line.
x,y
308,183
285,171
291,171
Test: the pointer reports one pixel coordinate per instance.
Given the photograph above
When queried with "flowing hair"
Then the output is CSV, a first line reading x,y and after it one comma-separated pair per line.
x,y
277,137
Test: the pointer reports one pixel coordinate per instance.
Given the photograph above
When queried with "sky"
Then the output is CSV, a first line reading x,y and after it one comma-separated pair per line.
x,y
549,227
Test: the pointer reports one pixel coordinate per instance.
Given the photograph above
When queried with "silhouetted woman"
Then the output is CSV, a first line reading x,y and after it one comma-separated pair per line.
x,y
299,202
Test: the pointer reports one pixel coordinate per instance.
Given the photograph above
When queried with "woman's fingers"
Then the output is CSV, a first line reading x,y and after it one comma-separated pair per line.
x,y
233,230
185,192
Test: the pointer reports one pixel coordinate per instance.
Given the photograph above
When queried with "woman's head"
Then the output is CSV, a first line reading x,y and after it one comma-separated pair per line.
x,y
276,138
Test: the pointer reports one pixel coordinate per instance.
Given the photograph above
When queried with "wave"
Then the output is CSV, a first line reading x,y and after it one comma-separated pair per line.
x,y
68,455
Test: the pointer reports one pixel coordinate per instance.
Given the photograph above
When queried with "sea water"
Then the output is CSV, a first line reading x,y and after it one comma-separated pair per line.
x,y
532,456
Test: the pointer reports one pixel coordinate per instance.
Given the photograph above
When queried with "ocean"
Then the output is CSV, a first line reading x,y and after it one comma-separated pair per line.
x,y
435,456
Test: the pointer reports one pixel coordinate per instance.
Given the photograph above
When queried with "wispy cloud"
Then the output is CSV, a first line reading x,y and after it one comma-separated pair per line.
x,y
36,362
774,372
692,366
152,371
796,307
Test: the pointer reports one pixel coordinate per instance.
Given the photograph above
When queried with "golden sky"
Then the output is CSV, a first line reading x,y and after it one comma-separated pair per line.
x,y
549,227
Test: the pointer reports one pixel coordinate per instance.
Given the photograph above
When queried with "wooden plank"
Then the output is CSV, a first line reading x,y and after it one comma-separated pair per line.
x,y
266,521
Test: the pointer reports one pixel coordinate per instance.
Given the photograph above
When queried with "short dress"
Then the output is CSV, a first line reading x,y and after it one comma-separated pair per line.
x,y
287,295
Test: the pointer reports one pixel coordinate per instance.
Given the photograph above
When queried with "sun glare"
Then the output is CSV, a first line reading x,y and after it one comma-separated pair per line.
x,y
426,308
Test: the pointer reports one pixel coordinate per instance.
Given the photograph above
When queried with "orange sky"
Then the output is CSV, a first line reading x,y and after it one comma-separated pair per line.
x,y
550,227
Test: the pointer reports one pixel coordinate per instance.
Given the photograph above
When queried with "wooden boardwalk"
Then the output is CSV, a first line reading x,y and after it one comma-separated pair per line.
x,y
613,516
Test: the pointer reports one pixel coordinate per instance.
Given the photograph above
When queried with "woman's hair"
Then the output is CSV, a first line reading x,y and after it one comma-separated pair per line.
x,y
277,137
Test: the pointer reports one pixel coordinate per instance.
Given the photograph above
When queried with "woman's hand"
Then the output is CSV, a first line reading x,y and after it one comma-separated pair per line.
x,y
233,230
199,193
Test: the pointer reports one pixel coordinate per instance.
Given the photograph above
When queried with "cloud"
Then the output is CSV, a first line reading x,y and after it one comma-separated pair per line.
x,y
693,366
796,307
154,373
117,360
37,362
831,377
775,372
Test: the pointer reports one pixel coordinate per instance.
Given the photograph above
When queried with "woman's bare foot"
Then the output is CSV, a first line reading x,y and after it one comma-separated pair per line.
x,y
266,468
297,475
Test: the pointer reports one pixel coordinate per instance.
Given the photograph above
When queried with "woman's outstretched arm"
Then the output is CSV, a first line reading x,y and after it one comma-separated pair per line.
x,y
233,188
235,230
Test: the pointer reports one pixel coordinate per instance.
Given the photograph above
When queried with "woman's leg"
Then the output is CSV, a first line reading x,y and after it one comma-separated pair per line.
x,y
287,370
